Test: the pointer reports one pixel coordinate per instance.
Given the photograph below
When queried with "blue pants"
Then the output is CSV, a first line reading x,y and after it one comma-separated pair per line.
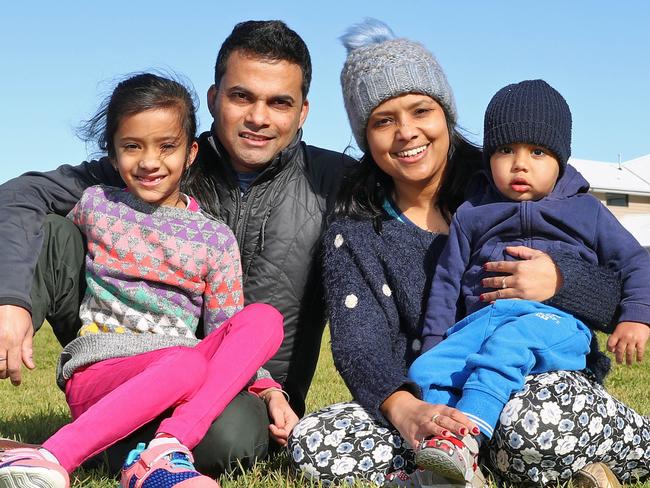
x,y
486,356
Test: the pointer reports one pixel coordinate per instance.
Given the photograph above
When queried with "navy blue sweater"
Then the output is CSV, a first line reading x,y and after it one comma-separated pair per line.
x,y
376,288
568,219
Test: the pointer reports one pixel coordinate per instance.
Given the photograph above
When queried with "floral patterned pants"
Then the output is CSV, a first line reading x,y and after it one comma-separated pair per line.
x,y
557,424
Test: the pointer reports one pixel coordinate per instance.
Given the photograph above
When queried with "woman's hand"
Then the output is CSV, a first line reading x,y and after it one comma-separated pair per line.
x,y
283,418
416,419
535,277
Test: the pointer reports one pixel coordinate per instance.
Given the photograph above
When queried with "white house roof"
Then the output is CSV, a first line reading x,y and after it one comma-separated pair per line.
x,y
631,177
640,167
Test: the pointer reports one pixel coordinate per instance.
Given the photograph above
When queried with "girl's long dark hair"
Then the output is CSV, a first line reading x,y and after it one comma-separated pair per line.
x,y
366,186
138,93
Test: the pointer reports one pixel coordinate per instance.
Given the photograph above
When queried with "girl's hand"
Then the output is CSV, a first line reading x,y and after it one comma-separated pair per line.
x,y
283,418
628,340
416,419
535,277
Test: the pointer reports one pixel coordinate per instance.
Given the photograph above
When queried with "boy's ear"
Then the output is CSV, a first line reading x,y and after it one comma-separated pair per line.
x,y
191,156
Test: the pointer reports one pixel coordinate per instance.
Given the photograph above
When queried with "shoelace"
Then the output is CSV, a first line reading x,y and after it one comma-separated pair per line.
x,y
180,460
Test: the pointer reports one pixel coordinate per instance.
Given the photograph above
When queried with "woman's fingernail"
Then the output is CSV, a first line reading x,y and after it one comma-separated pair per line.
x,y
446,433
482,298
475,431
463,431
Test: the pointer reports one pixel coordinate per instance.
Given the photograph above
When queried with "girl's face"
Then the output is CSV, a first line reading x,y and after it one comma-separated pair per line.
x,y
409,140
151,154
524,171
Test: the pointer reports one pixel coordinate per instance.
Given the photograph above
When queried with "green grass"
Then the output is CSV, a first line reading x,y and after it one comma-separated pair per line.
x,y
37,408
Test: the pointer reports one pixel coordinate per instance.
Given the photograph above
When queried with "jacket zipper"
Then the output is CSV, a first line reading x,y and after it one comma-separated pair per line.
x,y
526,223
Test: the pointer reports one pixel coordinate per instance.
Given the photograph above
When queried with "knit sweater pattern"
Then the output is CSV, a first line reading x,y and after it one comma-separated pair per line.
x,y
377,284
151,273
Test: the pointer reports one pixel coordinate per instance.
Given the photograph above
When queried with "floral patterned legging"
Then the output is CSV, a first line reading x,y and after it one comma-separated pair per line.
x,y
557,424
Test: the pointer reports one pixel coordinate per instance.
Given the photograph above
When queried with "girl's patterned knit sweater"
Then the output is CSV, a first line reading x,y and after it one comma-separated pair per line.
x,y
151,272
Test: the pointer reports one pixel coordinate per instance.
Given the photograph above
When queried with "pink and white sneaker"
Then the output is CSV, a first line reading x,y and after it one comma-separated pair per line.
x,y
449,456
163,466
28,468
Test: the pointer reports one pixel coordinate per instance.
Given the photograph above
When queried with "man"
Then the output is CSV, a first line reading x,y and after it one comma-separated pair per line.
x,y
253,172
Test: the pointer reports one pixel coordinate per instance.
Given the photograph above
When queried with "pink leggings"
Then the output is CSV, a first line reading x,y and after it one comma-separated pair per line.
x,y
111,399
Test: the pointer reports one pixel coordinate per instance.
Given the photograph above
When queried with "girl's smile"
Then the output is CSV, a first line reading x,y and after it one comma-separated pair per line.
x,y
151,153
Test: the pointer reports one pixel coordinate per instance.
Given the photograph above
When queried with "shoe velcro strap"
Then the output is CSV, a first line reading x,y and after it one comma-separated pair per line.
x,y
151,455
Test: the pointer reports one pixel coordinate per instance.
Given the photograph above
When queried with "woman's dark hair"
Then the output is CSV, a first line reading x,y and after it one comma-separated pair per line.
x,y
138,93
365,187
266,39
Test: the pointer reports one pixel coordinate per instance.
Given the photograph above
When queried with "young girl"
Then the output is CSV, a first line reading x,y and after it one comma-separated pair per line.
x,y
155,265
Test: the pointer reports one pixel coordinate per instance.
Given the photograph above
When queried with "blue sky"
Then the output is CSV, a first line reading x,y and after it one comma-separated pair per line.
x,y
59,59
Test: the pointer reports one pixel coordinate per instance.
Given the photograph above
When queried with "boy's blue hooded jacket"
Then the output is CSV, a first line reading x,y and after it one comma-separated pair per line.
x,y
568,218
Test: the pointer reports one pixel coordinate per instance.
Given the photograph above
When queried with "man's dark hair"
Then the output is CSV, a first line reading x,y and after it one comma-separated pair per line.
x,y
267,39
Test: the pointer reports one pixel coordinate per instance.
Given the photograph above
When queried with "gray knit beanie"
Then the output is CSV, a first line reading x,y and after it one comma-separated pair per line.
x,y
380,67
532,112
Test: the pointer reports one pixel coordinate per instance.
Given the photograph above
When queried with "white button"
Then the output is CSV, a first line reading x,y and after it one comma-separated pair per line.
x,y
351,301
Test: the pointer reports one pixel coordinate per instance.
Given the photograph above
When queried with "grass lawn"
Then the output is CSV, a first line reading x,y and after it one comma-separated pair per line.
x,y
37,408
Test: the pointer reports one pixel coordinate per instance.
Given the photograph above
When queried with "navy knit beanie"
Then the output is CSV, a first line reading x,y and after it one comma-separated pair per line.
x,y
530,112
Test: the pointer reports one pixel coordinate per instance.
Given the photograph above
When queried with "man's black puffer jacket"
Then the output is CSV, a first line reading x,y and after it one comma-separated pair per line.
x,y
278,222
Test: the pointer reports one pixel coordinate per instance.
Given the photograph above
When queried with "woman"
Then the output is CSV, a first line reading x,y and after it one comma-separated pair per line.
x,y
379,255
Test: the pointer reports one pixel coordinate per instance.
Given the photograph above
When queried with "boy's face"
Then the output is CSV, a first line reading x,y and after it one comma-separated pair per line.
x,y
524,172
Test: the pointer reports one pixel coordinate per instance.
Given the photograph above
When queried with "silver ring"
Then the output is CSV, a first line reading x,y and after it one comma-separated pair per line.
x,y
433,419
503,283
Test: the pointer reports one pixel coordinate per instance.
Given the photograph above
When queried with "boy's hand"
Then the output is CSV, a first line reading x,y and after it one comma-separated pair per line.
x,y
629,339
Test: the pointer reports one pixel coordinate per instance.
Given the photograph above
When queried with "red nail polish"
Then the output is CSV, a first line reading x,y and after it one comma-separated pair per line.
x,y
463,431
446,433
482,298
475,431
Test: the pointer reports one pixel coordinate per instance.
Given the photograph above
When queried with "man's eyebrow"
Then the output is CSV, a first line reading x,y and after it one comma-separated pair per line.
x,y
283,98
238,88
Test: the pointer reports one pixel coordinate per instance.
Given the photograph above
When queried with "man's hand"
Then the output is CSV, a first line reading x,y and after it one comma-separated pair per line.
x,y
16,332
283,418
629,340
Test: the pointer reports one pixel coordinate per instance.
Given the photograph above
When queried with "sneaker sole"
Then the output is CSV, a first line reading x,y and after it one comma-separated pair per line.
x,y
439,464
22,477
595,477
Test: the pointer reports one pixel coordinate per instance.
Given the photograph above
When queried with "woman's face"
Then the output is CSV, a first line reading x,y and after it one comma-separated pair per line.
x,y
409,140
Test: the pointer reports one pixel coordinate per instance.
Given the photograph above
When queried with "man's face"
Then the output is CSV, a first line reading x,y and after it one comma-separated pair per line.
x,y
257,109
